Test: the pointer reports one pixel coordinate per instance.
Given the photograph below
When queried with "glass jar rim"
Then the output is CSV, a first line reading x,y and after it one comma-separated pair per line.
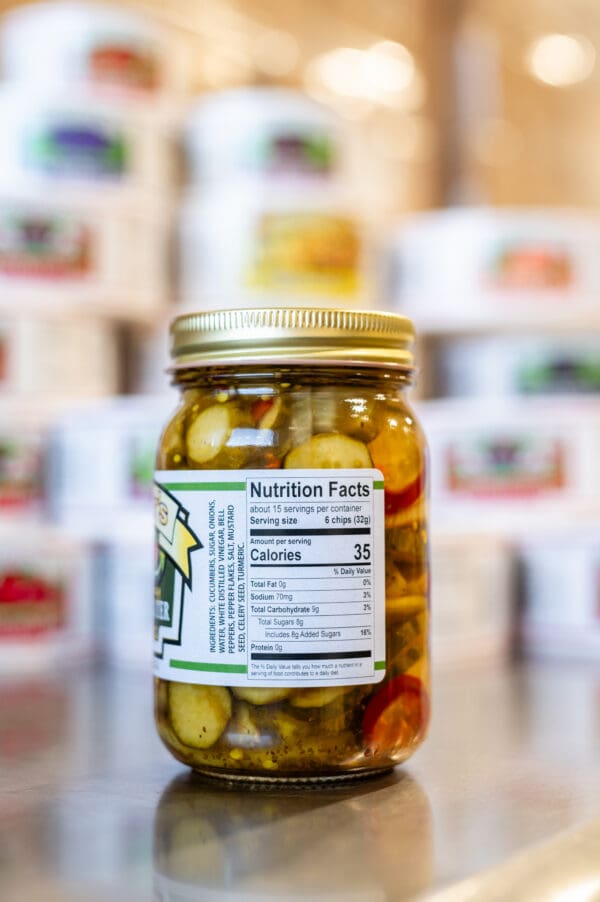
x,y
292,335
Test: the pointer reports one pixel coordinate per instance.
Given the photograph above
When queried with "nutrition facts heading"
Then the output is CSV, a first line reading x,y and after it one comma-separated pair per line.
x,y
328,488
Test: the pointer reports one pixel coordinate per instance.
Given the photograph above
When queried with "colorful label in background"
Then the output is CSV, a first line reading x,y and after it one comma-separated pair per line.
x,y
306,253
560,373
121,64
522,266
505,466
20,473
76,150
295,153
44,247
30,604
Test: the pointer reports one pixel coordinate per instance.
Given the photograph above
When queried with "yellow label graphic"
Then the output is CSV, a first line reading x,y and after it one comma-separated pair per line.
x,y
174,537
307,253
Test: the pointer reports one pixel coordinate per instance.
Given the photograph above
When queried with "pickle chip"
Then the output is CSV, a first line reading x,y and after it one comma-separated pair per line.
x,y
405,605
329,451
220,437
396,583
199,714
289,727
316,697
406,544
208,433
259,696
409,515
332,411
397,453
406,644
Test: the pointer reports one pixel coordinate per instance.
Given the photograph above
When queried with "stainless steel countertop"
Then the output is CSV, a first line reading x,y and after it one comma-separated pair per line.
x,y
92,807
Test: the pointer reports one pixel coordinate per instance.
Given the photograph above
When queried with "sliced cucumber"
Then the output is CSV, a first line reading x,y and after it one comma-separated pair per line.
x,y
199,714
405,605
358,417
328,451
325,403
408,516
289,727
398,452
405,544
218,436
317,698
396,583
300,424
406,642
259,696
208,433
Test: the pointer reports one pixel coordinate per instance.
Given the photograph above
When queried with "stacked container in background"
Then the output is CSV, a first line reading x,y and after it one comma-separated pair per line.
x,y
561,582
88,110
509,302
102,470
489,270
268,216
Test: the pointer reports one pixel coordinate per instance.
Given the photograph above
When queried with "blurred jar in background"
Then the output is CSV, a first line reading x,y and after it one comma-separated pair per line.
x,y
561,593
104,50
302,246
494,266
46,613
522,365
268,215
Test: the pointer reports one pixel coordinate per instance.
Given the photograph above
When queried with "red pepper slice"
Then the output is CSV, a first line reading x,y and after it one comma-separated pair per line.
x,y
405,498
397,715
260,408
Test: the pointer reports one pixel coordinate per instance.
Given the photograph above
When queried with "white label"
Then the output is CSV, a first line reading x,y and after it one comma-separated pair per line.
x,y
270,578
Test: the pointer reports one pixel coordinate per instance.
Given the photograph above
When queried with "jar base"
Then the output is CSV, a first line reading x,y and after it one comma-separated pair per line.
x,y
255,781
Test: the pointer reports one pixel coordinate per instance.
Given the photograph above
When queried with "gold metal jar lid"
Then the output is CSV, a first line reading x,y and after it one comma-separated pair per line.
x,y
292,335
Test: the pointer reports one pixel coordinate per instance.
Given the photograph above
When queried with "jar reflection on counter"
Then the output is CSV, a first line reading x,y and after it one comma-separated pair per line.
x,y
323,418
368,841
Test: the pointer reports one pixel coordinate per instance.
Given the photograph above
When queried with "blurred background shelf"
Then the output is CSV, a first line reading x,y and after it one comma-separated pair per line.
x,y
159,157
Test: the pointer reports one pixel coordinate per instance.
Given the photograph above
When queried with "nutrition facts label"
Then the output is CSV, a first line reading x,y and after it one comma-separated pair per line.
x,y
312,594
285,578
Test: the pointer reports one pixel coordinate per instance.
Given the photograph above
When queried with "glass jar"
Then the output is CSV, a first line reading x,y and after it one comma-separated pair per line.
x,y
291,600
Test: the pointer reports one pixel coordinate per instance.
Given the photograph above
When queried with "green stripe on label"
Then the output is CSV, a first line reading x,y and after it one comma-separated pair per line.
x,y
213,668
379,665
378,484
204,486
